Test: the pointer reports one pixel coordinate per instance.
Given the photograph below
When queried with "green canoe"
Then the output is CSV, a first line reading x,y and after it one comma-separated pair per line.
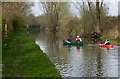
x,y
74,43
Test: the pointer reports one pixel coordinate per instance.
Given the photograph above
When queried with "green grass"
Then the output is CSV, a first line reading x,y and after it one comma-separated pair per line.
x,y
23,58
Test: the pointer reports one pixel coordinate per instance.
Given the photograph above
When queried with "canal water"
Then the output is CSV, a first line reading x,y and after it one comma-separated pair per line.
x,y
71,61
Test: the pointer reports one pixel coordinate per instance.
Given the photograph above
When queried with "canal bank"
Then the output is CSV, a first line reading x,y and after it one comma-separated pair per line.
x,y
21,57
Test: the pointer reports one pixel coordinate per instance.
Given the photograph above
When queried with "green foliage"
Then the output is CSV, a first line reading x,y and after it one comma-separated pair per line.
x,y
18,21
23,58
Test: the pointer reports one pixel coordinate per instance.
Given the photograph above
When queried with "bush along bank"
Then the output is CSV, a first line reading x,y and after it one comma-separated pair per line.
x,y
21,57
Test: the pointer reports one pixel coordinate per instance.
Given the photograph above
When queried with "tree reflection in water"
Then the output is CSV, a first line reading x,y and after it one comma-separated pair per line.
x,y
52,45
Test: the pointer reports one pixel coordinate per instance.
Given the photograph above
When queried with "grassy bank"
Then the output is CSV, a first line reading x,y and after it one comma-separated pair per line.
x,y
23,58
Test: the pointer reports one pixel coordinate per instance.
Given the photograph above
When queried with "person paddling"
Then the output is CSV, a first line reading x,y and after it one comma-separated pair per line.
x,y
69,39
78,39
107,42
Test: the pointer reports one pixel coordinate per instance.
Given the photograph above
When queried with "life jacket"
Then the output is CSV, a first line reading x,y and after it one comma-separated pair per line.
x,y
107,43
78,39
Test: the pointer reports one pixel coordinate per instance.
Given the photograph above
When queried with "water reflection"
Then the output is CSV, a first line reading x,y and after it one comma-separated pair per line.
x,y
88,61
99,65
52,45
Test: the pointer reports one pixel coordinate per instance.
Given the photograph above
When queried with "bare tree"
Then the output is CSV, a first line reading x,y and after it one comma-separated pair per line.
x,y
52,11
83,9
97,21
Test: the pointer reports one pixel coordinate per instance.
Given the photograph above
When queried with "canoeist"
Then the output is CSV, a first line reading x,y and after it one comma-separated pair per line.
x,y
107,42
69,39
78,39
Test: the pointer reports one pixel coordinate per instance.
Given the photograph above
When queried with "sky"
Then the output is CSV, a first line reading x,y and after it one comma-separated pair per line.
x,y
113,9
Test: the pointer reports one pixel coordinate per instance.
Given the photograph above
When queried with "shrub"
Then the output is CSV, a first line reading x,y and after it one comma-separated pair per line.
x,y
18,21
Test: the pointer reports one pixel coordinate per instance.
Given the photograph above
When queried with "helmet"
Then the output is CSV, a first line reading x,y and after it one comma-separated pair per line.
x,y
77,36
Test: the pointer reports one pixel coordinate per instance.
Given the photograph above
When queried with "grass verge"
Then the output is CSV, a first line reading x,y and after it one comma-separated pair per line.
x,y
23,58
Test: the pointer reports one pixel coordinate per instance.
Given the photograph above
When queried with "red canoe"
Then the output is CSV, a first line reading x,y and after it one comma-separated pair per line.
x,y
107,46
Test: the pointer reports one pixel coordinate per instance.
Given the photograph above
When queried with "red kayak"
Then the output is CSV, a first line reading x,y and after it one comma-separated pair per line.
x,y
107,46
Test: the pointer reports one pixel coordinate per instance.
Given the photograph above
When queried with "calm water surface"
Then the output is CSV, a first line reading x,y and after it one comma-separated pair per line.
x,y
88,61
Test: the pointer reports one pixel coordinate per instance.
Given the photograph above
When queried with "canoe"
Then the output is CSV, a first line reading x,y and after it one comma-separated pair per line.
x,y
107,46
74,43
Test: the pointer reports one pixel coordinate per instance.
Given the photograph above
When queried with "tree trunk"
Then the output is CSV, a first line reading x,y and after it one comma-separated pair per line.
x,y
98,17
92,16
